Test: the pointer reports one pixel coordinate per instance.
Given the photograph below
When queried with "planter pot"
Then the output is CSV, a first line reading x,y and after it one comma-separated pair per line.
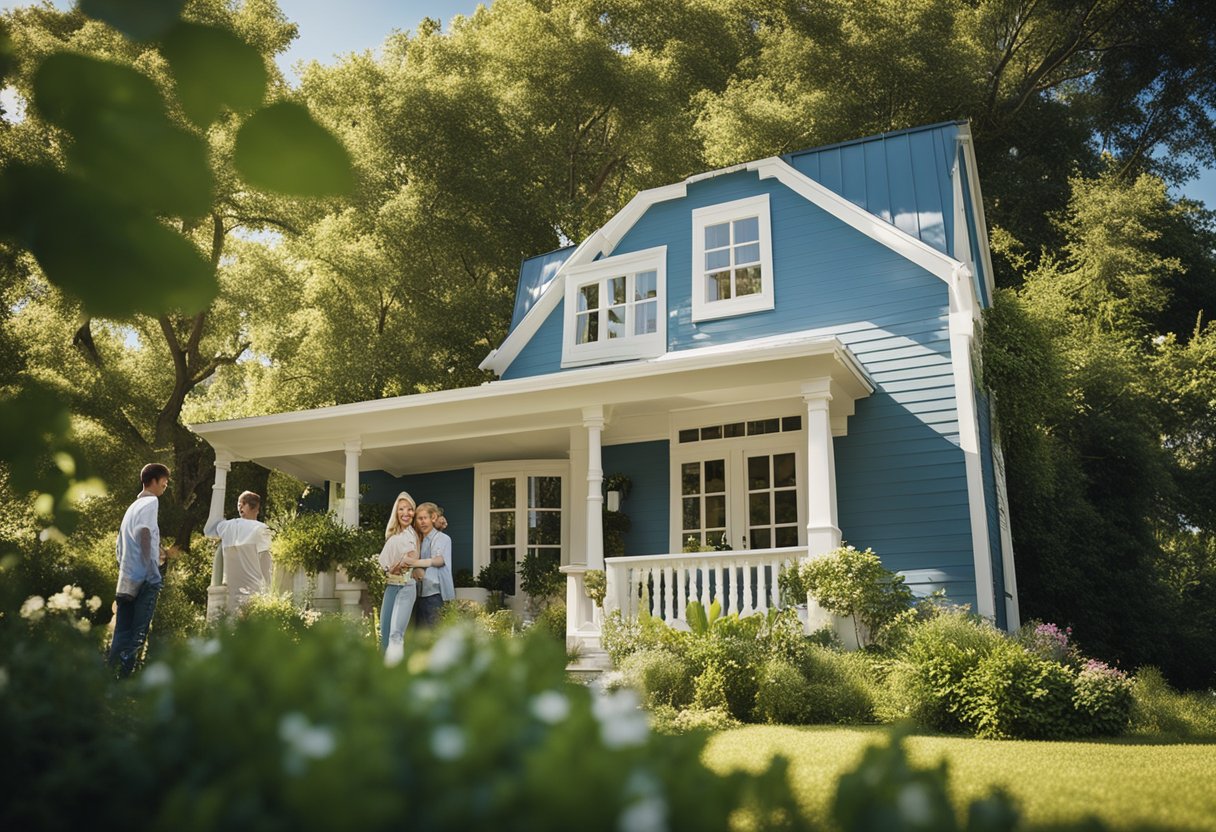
x,y
472,593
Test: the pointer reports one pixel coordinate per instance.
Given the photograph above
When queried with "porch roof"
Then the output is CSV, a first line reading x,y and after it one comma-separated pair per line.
x,y
530,418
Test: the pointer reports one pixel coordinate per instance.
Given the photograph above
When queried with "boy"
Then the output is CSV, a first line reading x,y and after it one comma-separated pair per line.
x,y
246,550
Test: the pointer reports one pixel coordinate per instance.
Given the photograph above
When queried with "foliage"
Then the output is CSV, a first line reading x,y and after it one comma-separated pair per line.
x,y
1102,699
851,582
616,525
463,579
662,677
1159,710
497,577
315,760
595,585
1012,693
665,719
541,579
319,542
552,620
781,694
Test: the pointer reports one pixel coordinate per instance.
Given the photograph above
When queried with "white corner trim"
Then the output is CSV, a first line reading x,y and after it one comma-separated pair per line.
x,y
961,340
977,204
899,241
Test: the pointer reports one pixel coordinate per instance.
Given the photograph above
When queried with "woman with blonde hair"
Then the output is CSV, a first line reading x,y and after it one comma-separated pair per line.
x,y
399,554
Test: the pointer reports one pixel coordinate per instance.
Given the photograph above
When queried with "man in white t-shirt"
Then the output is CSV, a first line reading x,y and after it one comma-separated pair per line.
x,y
139,579
246,550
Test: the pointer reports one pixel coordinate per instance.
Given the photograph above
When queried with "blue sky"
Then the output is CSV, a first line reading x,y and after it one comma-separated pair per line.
x,y
330,28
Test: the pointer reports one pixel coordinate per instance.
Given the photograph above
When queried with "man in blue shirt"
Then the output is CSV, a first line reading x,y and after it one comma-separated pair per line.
x,y
437,585
139,579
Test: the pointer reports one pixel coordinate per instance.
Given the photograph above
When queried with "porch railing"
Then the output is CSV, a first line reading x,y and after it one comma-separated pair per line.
x,y
744,581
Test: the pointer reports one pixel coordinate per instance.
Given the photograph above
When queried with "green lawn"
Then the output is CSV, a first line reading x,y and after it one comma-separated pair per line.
x,y
1126,784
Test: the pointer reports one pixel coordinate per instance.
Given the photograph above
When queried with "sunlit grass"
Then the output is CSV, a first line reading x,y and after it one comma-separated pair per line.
x,y
1125,784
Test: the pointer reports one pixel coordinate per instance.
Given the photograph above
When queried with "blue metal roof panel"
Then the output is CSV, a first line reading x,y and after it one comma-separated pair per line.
x,y
902,177
535,274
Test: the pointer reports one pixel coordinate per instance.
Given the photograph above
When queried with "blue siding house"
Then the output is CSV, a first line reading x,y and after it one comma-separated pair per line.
x,y
780,357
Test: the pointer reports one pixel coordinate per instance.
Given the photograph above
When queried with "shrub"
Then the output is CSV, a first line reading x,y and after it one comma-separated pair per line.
x,y
709,689
926,685
662,677
1158,709
318,542
540,578
781,693
1049,642
839,687
620,636
1012,693
498,578
668,720
552,621
851,582
1102,699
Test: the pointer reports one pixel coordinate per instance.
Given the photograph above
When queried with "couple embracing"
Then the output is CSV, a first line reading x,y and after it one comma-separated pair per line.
x,y
417,558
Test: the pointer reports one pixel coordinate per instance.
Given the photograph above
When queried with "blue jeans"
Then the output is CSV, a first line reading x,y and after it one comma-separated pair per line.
x,y
131,623
395,612
429,607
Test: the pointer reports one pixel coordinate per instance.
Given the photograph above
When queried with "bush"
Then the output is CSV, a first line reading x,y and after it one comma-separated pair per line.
x,y
540,579
1012,693
327,737
318,542
851,582
709,689
620,636
552,621
1102,699
926,685
660,676
781,694
840,687
668,720
1158,709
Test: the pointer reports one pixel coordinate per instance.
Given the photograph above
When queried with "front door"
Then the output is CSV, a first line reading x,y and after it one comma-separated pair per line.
x,y
740,491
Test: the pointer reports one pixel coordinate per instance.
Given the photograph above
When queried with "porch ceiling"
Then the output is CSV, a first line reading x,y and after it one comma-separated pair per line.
x,y
530,418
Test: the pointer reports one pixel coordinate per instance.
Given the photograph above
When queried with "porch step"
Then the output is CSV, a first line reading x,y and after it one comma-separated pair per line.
x,y
589,665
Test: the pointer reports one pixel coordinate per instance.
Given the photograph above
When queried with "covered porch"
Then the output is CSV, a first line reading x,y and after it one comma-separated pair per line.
x,y
708,423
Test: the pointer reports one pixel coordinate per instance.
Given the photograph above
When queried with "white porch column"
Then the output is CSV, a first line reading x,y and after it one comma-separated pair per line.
x,y
217,593
593,421
350,491
822,531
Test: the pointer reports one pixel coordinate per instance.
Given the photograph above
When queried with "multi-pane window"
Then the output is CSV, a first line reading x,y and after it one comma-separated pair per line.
x,y
525,517
732,259
616,308
621,306
703,502
732,264
772,501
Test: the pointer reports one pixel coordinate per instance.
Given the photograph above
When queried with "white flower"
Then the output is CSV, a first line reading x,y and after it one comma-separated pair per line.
x,y
448,651
915,805
426,692
622,722
304,739
94,604
204,647
447,742
33,608
550,707
155,675
84,625
63,601
75,591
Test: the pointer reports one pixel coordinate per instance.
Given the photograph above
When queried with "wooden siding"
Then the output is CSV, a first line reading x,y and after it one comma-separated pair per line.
x,y
647,464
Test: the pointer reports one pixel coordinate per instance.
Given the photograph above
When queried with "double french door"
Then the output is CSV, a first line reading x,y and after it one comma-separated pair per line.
x,y
741,498
524,511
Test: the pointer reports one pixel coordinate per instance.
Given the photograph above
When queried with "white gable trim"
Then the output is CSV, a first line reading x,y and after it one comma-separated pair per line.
x,y
977,205
604,240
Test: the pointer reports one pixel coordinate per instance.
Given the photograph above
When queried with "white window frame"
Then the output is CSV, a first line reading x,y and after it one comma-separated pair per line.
x,y
650,345
483,473
704,309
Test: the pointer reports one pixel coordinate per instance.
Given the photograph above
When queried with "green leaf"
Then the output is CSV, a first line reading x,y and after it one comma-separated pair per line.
x,y
8,57
123,140
138,19
694,614
116,259
280,148
213,68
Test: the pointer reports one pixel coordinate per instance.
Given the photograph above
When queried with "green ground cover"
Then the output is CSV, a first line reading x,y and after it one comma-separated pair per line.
x,y
1126,783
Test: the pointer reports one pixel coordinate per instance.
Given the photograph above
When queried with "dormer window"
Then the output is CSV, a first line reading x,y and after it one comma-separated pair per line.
x,y
732,259
616,308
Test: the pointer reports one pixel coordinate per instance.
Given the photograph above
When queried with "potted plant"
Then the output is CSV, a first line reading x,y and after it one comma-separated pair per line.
x,y
541,581
317,544
498,579
595,586
467,588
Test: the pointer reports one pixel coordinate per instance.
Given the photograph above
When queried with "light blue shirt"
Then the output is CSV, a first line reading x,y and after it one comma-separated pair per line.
x,y
438,579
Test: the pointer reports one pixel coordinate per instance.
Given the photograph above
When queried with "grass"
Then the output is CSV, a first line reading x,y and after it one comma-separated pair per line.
x,y
1126,784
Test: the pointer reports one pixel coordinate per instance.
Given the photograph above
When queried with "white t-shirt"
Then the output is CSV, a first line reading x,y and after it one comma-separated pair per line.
x,y
132,563
246,556
397,546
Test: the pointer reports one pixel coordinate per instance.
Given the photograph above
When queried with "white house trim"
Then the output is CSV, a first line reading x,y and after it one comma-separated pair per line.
x,y
977,206
704,309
